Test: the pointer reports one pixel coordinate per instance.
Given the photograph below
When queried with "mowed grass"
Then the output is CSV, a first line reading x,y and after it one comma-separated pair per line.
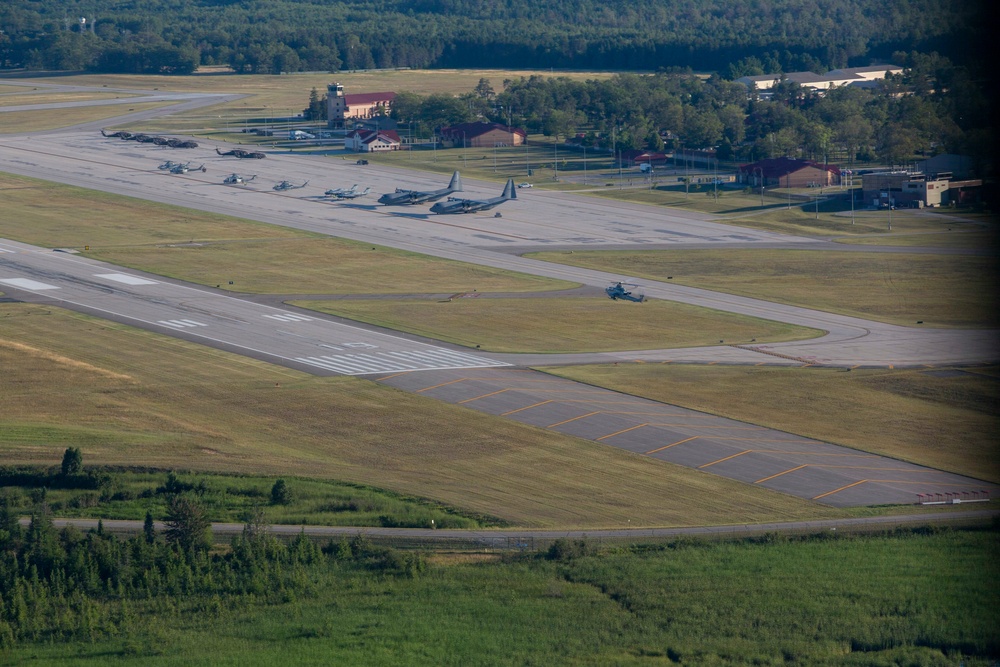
x,y
17,122
215,249
947,421
53,97
134,398
941,290
563,324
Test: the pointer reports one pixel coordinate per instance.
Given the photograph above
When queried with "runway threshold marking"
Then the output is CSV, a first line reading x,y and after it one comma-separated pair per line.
x,y
566,421
785,472
476,398
673,444
443,384
533,405
846,486
624,430
745,451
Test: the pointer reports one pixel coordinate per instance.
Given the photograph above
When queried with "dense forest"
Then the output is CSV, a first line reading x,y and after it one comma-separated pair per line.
x,y
175,36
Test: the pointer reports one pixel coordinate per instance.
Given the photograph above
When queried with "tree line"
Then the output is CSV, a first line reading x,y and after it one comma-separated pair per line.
x,y
275,36
934,107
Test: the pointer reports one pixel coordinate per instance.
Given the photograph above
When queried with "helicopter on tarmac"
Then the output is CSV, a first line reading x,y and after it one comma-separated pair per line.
x,y
618,291
168,165
185,168
286,185
236,179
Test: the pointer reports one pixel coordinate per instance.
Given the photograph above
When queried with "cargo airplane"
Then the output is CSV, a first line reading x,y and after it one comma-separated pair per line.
x,y
403,197
456,205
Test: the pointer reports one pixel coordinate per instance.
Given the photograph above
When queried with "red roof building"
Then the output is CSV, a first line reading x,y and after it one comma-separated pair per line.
x,y
484,135
370,141
341,107
789,173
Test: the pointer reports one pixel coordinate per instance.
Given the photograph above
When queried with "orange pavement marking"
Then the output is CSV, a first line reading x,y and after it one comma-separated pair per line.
x,y
830,493
679,442
492,393
781,473
533,405
394,375
566,421
442,384
745,451
626,430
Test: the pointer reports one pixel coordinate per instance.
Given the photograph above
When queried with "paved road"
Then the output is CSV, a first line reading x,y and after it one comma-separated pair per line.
x,y
513,538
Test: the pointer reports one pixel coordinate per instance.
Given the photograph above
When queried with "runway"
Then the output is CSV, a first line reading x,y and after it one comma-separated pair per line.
x,y
494,383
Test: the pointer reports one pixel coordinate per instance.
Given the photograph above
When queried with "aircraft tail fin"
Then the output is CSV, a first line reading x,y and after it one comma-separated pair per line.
x,y
509,191
455,185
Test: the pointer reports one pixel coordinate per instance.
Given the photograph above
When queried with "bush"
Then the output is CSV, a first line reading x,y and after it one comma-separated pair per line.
x,y
280,493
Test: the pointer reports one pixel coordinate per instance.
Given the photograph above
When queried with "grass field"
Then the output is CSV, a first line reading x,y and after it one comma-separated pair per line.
x,y
946,420
940,290
133,398
15,122
570,324
52,97
905,599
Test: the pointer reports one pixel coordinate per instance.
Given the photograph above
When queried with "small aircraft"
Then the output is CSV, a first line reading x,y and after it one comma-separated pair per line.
x,y
286,185
339,191
236,179
168,165
241,154
121,134
353,194
456,205
403,197
185,168
618,291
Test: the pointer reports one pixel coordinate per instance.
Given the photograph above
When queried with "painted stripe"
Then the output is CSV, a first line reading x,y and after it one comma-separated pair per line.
x,y
566,421
126,279
782,473
745,451
527,407
443,384
25,283
830,493
492,393
624,430
674,444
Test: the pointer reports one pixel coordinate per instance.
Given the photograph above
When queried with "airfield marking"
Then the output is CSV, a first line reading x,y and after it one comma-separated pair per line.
x,y
781,473
389,377
443,384
746,451
846,486
26,283
476,398
679,442
625,430
126,279
566,421
181,324
533,405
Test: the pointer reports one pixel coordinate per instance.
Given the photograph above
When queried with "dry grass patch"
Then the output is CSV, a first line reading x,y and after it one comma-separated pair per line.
x,y
190,407
563,324
947,421
939,289
53,97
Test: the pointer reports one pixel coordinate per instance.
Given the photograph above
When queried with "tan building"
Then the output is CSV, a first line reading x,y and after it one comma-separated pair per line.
x,y
483,135
341,108
786,172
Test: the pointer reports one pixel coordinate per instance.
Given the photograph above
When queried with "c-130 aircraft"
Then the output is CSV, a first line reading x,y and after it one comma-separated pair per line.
x,y
403,197
456,205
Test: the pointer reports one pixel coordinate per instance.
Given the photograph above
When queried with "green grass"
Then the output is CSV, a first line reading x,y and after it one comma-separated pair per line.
x,y
899,288
16,122
230,499
213,249
565,324
948,423
133,398
906,599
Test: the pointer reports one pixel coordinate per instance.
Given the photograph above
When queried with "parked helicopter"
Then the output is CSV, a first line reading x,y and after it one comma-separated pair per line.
x,y
286,185
618,291
185,168
352,194
121,134
236,179
169,164
336,192
242,154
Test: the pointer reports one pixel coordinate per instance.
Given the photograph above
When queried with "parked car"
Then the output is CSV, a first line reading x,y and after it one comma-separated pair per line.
x,y
524,185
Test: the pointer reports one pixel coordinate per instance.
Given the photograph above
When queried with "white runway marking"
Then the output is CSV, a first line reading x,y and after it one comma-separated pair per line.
x,y
125,278
181,324
383,362
25,283
290,317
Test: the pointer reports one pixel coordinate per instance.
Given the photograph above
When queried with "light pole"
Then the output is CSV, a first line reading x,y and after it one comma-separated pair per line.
x,y
585,165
